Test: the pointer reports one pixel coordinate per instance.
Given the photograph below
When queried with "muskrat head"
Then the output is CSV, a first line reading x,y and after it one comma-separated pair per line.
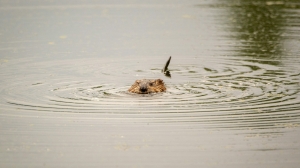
x,y
146,86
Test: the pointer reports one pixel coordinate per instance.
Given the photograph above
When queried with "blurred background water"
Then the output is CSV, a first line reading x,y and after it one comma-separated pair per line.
x,y
232,100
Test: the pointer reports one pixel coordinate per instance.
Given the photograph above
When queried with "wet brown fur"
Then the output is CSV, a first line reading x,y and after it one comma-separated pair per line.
x,y
146,86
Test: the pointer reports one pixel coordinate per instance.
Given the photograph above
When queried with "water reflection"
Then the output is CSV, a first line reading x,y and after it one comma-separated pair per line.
x,y
259,27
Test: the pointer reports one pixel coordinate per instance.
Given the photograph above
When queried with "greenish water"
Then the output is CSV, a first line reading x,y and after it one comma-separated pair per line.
x,y
232,100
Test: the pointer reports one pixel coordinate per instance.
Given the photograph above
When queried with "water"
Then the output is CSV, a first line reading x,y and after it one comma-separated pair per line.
x,y
232,100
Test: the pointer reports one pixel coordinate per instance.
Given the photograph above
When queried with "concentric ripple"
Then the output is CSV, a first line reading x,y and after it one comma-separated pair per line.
x,y
230,94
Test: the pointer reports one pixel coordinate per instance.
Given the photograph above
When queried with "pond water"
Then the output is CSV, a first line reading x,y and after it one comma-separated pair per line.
x,y
233,98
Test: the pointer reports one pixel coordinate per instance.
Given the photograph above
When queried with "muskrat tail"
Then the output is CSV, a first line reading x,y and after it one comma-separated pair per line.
x,y
165,69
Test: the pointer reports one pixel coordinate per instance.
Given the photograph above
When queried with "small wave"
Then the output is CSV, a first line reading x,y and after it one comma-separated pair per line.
x,y
231,94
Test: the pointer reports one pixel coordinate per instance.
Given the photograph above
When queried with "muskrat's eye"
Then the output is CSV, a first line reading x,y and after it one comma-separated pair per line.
x,y
151,84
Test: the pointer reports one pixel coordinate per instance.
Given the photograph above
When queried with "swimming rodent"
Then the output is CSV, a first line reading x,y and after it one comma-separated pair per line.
x,y
146,86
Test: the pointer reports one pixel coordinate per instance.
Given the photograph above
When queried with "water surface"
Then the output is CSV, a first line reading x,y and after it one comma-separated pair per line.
x,y
232,100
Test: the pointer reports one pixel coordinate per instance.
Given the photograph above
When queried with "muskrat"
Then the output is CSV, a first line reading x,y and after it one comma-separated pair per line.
x,y
146,86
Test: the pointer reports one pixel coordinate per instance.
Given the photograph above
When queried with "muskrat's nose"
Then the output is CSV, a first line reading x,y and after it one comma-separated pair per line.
x,y
143,89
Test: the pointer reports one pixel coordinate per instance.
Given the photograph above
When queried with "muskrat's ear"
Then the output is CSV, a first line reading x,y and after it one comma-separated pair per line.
x,y
159,81
137,81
